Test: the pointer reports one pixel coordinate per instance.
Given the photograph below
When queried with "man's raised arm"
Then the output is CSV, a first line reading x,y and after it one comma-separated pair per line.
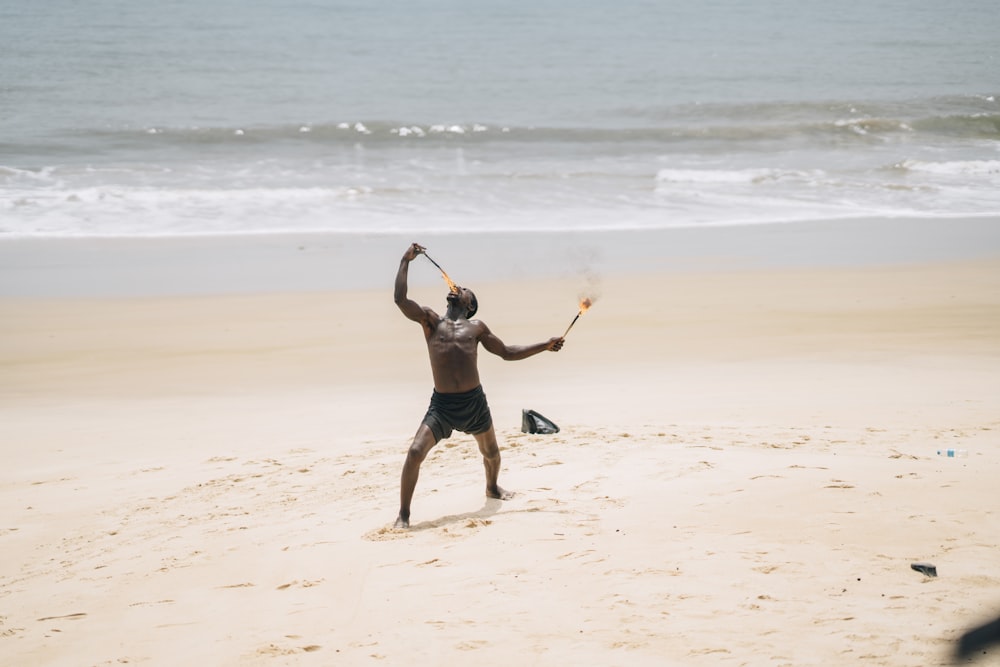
x,y
410,308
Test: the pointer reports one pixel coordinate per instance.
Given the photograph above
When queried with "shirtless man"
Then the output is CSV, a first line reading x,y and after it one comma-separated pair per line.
x,y
458,401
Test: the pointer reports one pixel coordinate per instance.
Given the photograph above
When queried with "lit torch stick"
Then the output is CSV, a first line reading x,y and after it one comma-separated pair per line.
x,y
585,304
451,284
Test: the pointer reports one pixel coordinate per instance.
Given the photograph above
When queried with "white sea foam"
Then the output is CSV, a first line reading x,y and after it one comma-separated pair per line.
x,y
720,176
954,168
414,130
457,190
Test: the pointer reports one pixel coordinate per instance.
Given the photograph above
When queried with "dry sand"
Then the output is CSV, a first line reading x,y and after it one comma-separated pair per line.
x,y
746,470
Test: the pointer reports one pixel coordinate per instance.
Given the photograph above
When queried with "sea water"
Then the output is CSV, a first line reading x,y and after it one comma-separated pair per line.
x,y
134,118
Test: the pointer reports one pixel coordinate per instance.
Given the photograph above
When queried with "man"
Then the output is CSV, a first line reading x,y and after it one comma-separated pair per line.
x,y
458,401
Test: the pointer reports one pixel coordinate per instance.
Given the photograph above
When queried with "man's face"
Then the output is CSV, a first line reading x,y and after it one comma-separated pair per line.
x,y
463,298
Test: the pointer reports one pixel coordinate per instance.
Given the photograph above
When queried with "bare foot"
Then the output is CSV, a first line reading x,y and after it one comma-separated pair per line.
x,y
497,492
401,523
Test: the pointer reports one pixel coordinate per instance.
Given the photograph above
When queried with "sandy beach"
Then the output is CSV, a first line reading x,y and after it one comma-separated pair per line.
x,y
207,472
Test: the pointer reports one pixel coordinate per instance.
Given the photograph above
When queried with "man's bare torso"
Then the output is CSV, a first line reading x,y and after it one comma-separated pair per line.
x,y
453,346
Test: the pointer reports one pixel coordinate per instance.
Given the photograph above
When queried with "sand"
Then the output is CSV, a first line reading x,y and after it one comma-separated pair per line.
x,y
746,469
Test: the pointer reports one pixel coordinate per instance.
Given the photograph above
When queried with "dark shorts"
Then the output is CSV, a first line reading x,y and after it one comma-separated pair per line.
x,y
467,412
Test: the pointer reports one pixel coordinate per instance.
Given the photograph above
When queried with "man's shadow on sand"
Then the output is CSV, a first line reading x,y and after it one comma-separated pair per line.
x,y
492,506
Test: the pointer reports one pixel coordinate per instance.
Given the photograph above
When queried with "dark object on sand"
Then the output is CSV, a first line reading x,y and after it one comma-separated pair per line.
x,y
532,422
978,639
924,568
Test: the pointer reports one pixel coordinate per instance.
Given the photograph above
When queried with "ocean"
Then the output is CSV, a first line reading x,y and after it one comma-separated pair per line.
x,y
125,118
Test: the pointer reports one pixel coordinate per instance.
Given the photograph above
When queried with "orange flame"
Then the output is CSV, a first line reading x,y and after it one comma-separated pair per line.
x,y
451,283
585,304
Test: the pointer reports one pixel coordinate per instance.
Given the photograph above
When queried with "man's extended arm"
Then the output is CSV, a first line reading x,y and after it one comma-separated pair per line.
x,y
410,308
516,352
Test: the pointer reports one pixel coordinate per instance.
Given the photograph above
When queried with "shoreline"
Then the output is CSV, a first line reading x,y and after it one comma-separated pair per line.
x,y
94,267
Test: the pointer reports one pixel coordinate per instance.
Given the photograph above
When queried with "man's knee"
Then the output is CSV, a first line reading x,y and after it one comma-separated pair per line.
x,y
489,448
421,446
417,453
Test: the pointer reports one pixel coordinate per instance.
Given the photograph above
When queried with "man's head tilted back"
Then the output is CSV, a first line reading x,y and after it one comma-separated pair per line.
x,y
465,297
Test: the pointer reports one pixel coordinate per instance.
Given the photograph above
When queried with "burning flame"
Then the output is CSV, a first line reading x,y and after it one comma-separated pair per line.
x,y
585,304
451,283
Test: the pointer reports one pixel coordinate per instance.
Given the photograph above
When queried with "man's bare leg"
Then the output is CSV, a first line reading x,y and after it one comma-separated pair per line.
x,y
422,444
490,450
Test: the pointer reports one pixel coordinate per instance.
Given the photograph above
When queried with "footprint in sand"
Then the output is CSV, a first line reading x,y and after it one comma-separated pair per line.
x,y
70,617
460,530
6,631
275,650
300,584
386,533
707,651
